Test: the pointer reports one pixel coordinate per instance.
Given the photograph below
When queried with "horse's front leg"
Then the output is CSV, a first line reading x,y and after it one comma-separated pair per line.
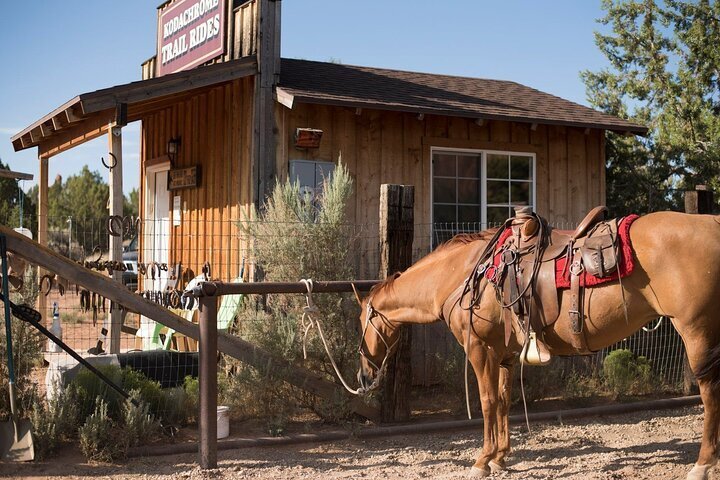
x,y
487,370
503,416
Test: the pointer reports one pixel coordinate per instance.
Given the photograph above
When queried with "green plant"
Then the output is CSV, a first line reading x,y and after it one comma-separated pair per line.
x,y
138,423
294,237
624,373
55,421
100,439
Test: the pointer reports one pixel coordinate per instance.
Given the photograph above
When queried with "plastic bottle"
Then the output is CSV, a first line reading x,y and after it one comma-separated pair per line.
x,y
55,329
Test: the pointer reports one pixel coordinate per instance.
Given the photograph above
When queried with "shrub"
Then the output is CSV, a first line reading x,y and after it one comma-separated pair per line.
x,y
57,421
299,237
100,439
139,424
27,352
624,373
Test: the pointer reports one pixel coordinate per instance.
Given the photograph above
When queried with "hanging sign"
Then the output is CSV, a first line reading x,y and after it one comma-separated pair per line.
x,y
183,178
190,32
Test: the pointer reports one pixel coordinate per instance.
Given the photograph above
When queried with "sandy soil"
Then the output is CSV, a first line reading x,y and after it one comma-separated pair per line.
x,y
642,446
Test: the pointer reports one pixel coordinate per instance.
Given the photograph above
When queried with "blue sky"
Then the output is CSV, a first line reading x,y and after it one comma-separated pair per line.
x,y
54,50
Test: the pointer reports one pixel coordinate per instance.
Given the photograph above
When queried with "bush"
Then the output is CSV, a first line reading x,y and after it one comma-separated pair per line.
x,y
300,237
624,373
100,439
139,424
27,352
57,421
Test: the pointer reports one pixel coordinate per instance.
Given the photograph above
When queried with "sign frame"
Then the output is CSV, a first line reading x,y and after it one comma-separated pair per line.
x,y
187,177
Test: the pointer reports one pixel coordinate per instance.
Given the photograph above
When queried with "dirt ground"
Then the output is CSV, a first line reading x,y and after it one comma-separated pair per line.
x,y
642,446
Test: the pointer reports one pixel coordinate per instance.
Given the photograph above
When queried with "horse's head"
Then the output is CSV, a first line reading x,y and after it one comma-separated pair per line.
x,y
379,337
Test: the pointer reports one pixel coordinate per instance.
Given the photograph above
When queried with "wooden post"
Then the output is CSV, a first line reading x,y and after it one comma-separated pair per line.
x,y
208,381
116,208
264,136
396,239
42,224
698,201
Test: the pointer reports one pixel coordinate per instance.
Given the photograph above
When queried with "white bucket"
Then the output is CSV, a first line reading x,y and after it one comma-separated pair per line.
x,y
223,421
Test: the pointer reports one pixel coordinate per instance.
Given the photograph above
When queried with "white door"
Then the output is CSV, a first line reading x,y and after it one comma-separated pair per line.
x,y
156,243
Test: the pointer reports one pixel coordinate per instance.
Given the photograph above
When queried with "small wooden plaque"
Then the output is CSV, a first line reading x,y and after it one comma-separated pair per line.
x,y
184,178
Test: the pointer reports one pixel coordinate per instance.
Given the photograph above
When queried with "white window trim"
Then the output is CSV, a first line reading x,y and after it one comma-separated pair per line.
x,y
483,164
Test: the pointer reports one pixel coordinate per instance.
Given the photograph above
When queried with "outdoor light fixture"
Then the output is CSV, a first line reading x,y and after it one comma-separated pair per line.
x,y
308,137
172,148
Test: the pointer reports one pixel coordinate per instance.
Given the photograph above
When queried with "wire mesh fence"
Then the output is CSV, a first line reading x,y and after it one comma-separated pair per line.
x,y
159,264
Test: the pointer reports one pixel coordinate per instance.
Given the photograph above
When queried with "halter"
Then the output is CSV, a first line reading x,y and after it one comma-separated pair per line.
x,y
370,314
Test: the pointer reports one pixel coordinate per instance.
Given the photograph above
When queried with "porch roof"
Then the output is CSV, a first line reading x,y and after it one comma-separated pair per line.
x,y
88,115
366,87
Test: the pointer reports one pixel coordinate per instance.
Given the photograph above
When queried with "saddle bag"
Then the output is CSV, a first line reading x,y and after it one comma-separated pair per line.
x,y
598,256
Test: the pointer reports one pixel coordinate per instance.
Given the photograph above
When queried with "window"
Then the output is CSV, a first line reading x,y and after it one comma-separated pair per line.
x,y
310,174
474,190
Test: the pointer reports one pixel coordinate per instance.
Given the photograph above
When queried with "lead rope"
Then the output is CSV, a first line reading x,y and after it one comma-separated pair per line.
x,y
308,322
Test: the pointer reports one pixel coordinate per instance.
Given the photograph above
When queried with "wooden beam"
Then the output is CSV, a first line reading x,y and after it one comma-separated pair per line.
x,y
284,98
266,363
115,320
166,85
47,129
75,135
59,121
36,135
71,116
15,175
43,206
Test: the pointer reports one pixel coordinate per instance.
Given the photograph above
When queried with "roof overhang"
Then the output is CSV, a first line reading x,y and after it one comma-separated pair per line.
x,y
89,115
288,97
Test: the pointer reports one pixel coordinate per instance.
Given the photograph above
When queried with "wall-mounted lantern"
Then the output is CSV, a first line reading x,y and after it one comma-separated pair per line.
x,y
173,146
308,137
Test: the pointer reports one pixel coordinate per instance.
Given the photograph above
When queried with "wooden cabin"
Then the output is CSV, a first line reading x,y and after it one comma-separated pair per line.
x,y
221,124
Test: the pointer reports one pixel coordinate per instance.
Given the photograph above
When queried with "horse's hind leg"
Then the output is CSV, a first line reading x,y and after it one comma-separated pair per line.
x,y
503,417
703,351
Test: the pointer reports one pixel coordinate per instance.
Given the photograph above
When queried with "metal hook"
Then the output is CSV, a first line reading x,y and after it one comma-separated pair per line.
x,y
109,167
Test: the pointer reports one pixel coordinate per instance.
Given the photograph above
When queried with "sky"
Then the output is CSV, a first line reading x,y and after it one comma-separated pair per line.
x,y
52,51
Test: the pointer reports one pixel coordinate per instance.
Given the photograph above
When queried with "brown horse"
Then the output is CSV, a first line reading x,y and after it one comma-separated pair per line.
x,y
677,274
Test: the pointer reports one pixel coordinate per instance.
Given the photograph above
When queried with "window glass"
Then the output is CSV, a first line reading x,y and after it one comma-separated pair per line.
x,y
444,165
497,192
469,214
497,215
468,191
520,193
444,190
497,166
468,166
444,214
520,167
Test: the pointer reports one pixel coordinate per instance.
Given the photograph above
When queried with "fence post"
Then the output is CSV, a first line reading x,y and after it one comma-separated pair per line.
x,y
396,239
208,380
698,201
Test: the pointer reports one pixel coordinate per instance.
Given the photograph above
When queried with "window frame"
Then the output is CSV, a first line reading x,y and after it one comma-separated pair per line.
x,y
483,153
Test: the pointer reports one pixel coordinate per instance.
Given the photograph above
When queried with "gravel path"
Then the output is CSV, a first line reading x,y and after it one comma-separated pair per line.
x,y
647,445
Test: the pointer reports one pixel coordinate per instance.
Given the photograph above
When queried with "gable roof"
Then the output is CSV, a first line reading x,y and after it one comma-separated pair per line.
x,y
366,87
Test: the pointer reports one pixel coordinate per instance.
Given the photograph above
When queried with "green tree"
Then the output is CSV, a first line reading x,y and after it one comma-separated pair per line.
x,y
131,203
14,202
665,73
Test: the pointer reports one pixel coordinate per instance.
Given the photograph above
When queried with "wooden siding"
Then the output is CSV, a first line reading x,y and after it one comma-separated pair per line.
x,y
215,130
392,147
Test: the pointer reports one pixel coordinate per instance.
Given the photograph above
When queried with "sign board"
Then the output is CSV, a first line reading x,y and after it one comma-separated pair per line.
x,y
177,219
183,178
190,32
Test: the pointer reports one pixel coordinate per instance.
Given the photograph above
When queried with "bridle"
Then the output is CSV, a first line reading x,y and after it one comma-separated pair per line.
x,y
370,314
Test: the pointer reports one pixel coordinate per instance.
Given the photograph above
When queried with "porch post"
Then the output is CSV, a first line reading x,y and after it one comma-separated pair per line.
x,y
42,234
115,243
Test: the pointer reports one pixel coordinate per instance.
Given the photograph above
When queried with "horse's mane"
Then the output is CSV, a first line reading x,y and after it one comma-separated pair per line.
x,y
459,239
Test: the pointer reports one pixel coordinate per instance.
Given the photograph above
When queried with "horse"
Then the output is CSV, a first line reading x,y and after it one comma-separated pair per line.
x,y
676,275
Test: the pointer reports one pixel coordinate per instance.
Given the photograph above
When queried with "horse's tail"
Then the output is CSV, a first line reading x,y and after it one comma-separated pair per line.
x,y
709,370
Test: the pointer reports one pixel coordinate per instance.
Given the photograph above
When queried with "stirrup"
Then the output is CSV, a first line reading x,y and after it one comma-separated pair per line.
x,y
533,353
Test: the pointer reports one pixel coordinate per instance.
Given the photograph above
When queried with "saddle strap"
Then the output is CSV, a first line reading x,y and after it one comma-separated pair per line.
x,y
576,312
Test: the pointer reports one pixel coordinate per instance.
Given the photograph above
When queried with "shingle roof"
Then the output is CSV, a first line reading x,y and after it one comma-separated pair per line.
x,y
348,85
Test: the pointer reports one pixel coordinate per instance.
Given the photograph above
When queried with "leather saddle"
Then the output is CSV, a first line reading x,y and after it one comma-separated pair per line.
x,y
526,274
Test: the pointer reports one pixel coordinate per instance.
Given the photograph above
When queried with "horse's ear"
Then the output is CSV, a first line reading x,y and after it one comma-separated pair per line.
x,y
357,295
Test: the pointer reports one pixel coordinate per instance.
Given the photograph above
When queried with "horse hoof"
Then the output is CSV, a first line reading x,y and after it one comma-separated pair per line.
x,y
477,472
698,472
495,466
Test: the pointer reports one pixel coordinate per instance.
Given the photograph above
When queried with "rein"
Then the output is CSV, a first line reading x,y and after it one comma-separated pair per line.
x,y
309,322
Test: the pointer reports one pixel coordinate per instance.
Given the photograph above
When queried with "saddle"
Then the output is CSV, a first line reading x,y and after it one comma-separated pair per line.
x,y
522,261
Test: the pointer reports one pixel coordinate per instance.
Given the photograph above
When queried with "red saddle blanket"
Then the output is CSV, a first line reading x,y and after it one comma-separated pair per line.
x,y
562,274
627,260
